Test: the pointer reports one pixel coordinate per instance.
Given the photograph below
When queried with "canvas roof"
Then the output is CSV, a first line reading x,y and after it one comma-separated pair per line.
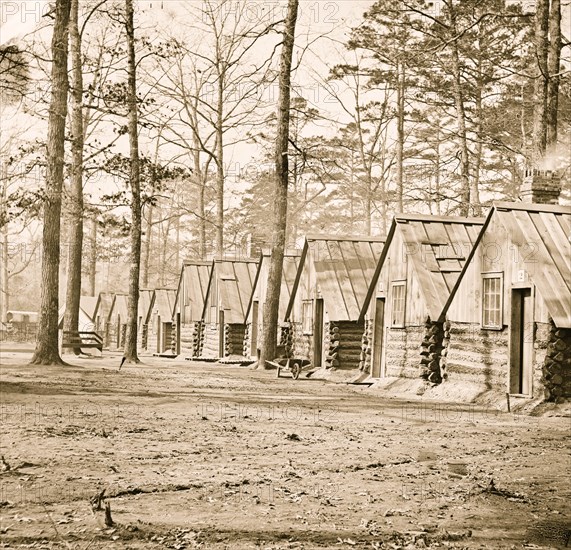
x,y
164,303
89,305
235,280
344,267
438,248
548,229
118,307
85,322
145,303
103,306
290,267
195,275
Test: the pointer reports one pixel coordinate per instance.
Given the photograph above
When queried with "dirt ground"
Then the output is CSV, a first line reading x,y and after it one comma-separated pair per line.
x,y
201,455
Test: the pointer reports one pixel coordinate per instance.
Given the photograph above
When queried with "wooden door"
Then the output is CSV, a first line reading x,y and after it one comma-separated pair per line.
x,y
521,342
254,328
378,335
318,333
221,339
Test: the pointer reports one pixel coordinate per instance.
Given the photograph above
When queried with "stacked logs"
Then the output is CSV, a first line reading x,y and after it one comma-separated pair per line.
x,y
144,336
557,365
233,339
343,344
444,353
366,347
286,339
198,339
247,340
431,350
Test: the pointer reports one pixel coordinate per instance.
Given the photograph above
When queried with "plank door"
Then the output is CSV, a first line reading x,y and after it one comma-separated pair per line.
x,y
221,350
318,333
378,335
521,339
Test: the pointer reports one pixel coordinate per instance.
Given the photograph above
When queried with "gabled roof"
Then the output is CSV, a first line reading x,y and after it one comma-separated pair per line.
x,y
195,275
85,322
163,302
118,307
548,229
235,280
344,267
103,306
145,303
290,267
438,248
89,305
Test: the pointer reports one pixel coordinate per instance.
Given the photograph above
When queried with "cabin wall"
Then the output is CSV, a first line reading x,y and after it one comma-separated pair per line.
x,y
189,334
401,355
233,340
342,344
482,356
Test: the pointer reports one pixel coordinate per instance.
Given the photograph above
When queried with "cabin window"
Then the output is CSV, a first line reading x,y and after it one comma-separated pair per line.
x,y
492,302
398,303
307,316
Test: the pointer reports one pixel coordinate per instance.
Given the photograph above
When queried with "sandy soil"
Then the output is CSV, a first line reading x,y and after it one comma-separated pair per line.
x,y
196,455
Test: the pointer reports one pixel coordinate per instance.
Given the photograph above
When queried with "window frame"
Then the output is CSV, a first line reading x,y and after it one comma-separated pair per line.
x,y
398,323
486,276
307,317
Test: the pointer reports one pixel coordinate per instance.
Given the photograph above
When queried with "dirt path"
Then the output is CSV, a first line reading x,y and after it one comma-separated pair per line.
x,y
210,456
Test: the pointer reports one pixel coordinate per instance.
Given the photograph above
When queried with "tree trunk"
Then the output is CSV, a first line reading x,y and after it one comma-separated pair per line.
x,y
220,168
47,352
461,122
147,246
73,291
4,282
400,134
130,349
553,67
92,256
539,138
271,307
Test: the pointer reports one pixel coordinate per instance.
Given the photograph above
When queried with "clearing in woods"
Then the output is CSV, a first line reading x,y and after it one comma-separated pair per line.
x,y
209,456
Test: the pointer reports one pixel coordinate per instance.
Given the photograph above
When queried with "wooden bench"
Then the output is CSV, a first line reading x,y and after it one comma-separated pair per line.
x,y
82,339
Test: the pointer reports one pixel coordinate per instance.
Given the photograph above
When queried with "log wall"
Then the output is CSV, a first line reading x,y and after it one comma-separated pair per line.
x,y
342,344
402,351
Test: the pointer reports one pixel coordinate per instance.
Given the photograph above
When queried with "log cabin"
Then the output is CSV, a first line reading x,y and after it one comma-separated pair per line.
x,y
222,326
143,315
160,333
329,291
420,265
116,325
189,305
507,327
254,314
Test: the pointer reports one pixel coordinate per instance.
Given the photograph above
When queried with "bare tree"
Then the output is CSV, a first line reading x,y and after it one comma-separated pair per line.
x,y
47,352
130,352
271,307
73,291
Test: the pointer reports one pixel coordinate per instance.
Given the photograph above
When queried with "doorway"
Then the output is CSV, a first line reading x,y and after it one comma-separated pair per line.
x,y
521,342
378,335
318,333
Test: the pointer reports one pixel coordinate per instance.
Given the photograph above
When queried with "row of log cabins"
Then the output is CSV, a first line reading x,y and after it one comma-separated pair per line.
x,y
474,301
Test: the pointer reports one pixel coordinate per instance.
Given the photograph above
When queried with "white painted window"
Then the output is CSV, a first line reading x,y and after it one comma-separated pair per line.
x,y
492,300
398,295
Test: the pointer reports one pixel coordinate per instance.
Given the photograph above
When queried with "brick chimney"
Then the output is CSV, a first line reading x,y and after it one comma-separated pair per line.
x,y
540,186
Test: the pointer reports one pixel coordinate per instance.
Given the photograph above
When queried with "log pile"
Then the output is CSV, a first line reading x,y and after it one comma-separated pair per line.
x,y
557,365
431,350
